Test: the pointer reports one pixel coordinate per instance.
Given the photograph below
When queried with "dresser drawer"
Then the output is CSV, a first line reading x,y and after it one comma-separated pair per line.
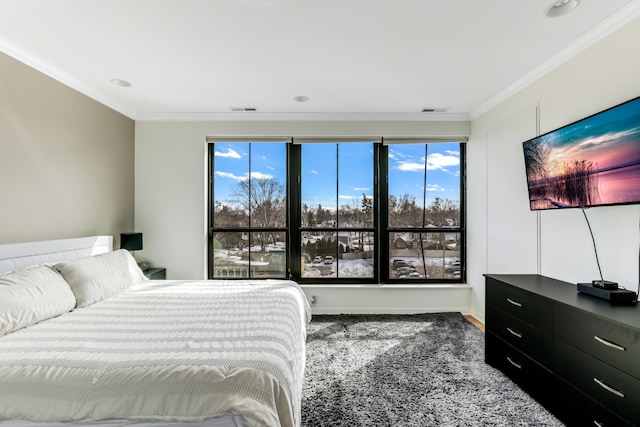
x,y
529,308
523,337
606,385
575,408
529,375
612,343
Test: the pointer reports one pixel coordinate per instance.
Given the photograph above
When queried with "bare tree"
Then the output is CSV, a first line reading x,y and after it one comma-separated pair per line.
x,y
265,201
367,209
443,212
404,212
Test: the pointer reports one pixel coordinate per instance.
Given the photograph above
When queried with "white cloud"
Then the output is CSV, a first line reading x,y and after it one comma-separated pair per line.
x,y
345,197
229,153
410,166
260,175
313,171
394,154
434,187
254,175
360,189
437,161
230,175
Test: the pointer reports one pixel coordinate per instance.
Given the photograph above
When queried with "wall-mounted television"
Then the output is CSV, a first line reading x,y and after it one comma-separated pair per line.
x,y
592,162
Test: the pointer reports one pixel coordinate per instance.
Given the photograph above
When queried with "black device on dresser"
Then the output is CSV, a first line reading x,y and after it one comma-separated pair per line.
x,y
578,356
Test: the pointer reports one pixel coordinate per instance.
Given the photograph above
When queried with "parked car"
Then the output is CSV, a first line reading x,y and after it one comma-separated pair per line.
x,y
401,264
318,259
411,274
328,260
453,267
407,270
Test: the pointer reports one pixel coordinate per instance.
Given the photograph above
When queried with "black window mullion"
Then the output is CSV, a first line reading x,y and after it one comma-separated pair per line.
x,y
210,208
294,200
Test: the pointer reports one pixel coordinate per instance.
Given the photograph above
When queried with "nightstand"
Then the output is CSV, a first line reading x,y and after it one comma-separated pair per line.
x,y
156,273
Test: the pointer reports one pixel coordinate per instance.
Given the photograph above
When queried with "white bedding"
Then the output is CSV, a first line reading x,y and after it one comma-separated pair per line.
x,y
227,420
168,351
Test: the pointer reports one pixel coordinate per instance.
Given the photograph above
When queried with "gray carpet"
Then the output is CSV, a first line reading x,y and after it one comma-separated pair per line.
x,y
408,370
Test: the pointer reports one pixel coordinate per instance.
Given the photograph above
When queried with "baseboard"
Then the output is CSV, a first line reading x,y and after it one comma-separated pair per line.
x,y
386,310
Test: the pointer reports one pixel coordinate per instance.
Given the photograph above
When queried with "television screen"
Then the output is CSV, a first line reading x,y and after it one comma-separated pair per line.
x,y
592,162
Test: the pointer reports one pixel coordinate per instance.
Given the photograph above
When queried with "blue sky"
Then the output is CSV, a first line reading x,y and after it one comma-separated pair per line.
x,y
407,167
232,161
354,162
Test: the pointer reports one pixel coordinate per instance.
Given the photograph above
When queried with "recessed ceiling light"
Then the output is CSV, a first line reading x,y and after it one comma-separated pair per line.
x,y
120,82
561,7
301,98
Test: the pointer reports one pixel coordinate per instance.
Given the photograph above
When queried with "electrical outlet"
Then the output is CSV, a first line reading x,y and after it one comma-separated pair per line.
x,y
312,300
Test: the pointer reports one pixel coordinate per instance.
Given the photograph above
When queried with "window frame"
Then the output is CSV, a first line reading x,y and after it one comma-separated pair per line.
x,y
297,220
380,228
386,230
212,229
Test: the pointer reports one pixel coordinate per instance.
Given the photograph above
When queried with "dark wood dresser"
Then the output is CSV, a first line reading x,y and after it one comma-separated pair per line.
x,y
577,355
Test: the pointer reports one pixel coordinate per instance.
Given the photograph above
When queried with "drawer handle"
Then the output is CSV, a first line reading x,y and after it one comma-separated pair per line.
x,y
608,343
609,389
517,365
514,333
516,303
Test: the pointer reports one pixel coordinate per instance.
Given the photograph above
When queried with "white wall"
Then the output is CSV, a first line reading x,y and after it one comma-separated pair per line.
x,y
503,233
171,205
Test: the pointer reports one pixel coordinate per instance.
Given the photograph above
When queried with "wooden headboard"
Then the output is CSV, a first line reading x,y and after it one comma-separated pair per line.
x,y
14,256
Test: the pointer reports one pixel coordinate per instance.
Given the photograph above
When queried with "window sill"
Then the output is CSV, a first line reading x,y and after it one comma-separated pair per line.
x,y
389,286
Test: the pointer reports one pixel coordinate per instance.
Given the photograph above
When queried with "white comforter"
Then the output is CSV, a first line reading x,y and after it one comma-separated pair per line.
x,y
169,351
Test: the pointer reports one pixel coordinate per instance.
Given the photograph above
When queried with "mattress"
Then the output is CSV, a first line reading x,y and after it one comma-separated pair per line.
x,y
163,352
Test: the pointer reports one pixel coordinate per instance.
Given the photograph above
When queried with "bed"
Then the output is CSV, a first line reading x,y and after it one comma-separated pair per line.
x,y
86,339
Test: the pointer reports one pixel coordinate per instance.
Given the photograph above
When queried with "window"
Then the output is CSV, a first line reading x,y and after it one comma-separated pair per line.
x,y
248,217
337,211
425,218
337,234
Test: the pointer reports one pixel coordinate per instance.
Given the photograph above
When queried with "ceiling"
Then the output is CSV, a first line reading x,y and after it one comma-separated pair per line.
x,y
372,59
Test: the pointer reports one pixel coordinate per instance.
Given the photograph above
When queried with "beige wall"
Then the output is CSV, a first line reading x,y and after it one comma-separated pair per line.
x,y
66,161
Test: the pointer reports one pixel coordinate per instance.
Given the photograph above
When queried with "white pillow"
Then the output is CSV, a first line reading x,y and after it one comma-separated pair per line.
x,y
31,295
95,278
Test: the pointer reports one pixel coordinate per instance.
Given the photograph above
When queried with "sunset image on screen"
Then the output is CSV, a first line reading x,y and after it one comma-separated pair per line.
x,y
595,161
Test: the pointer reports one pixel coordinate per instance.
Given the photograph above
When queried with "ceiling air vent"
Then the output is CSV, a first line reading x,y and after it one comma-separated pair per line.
x,y
434,110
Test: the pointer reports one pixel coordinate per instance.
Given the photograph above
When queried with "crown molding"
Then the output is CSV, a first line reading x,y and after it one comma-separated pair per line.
x,y
18,53
615,21
254,116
